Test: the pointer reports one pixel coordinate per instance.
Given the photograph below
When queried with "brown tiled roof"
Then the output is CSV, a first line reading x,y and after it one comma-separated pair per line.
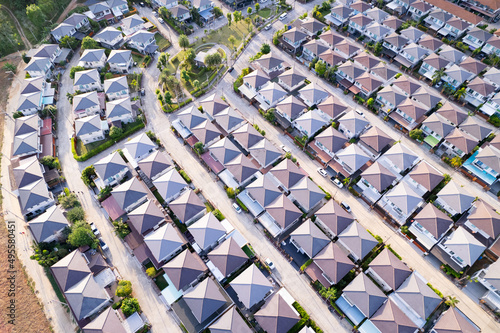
x,y
456,10
426,175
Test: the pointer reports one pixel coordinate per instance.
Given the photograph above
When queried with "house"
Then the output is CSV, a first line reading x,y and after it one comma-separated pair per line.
x,y
432,64
389,98
455,76
253,82
34,197
247,136
352,124
327,143
309,123
435,127
479,91
309,239
427,97
376,14
454,28
474,66
333,263
330,38
166,3
412,34
459,143
430,225
405,85
352,158
86,81
110,170
34,95
393,22
224,151
132,24
120,110
251,286
399,159
362,297
101,10
155,165
205,9
143,41
139,147
227,258
418,9
86,298
347,73
311,50
377,32
164,243
239,172
146,218
28,171
188,207
106,321
42,61
73,26
130,194
358,23
394,42
346,49
331,108
27,136
277,315
492,106
338,15
492,76
400,6
398,322
356,241
360,7
48,226
290,108
116,88
333,219
291,79
453,113
89,129
488,277
120,61
265,153
87,104
437,19
459,250
270,95
312,26
94,58
430,43
366,61
476,38
180,13
388,271
451,54
367,84
375,180
294,38
410,55
482,220
383,72
306,194
287,174
185,270
492,46
454,199
488,10
312,94
454,316
331,58
118,7
401,202
375,142
230,321
109,37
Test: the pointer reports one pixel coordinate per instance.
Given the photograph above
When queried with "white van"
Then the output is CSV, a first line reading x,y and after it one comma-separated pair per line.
x,y
283,16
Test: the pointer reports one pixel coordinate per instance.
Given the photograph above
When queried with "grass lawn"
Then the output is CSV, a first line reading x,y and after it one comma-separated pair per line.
x,y
158,196
138,58
162,42
265,12
238,30
83,149
161,282
197,74
177,59
248,251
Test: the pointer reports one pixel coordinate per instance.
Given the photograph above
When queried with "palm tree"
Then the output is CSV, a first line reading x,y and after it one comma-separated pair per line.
x,y
451,301
460,94
438,75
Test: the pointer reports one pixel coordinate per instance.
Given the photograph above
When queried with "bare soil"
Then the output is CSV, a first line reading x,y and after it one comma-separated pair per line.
x,y
29,313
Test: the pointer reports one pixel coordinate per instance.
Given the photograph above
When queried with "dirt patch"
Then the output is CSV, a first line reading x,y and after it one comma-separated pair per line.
x,y
29,313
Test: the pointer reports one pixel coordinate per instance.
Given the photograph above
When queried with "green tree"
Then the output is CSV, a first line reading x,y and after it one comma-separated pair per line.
x,y
218,12
456,162
451,301
81,235
124,288
162,59
167,98
183,41
36,15
185,75
9,67
212,60
129,306
76,214
237,16
249,10
438,75
320,68
70,42
229,18
276,40
190,55
198,148
232,40
87,174
115,132
75,69
45,258
460,93
196,84
265,48
404,229
151,271
68,201
377,49
416,134
257,7
51,162
89,43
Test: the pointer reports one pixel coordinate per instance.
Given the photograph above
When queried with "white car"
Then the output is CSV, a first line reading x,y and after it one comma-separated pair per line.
x,y
360,113
237,208
337,182
103,245
270,264
263,1
322,172
155,13
267,27
160,20
285,149
94,229
345,206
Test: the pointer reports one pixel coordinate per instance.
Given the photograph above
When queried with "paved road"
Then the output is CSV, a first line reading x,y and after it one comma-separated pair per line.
x,y
361,211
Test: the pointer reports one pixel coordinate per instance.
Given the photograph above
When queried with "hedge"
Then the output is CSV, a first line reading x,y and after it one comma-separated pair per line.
x,y
105,145
174,107
185,176
393,252
241,205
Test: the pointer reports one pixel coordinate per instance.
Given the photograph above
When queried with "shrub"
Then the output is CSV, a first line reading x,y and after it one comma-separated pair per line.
x,y
218,215
124,288
398,75
230,193
129,306
494,120
50,162
121,228
68,201
87,174
151,271
440,294
307,263
238,201
393,252
76,214
82,235
185,176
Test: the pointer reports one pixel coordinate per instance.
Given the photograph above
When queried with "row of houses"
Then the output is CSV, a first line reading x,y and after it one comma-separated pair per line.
x,y
182,13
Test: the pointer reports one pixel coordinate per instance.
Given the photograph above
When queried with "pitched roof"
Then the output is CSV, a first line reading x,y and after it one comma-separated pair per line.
x,y
430,42
294,35
224,150
452,112
108,34
251,286
383,71
472,65
276,316
366,60
360,19
26,125
247,136
313,92
231,321
287,173
107,321
456,196
390,318
368,81
85,100
331,139
417,294
132,21
228,256
32,85
456,11
454,321
269,61
85,296
292,77
360,6
164,241
206,132
377,14
28,172
404,197
426,175
490,157
272,91
213,104
139,145
354,122
462,140
70,270
283,211
393,22
129,192
334,217
412,33
451,54
464,245
241,168
207,230
333,262
110,165
354,157
358,240
119,56
291,106
331,57
184,268
401,156
205,299
378,176
256,79
33,194
376,139
311,121
492,275
91,55
179,10
351,69
347,47
363,293
406,84
486,218
438,124
396,40
228,119
312,25
264,190
47,224
433,220
458,73
475,128
310,238
146,217
264,152
115,84
154,164
187,206
330,36
392,270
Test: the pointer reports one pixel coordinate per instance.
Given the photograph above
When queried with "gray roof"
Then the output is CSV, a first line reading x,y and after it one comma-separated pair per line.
x,y
129,192
107,34
396,40
472,65
415,50
47,224
26,125
310,238
28,171
63,29
214,104
354,122
110,165
417,294
164,241
412,33
316,47
401,156
490,157
29,101
251,286
132,21
493,275
342,10
264,190
480,34
184,269
351,69
115,84
46,51
368,82
228,257
294,35
363,293
465,246
426,175
87,125
333,106
119,107
361,19
390,318
393,22
287,173
376,139
70,270
33,194
354,157
458,73
283,211
187,206
86,296
276,316
107,321
85,101
378,29
247,136
154,164
205,299
256,79
269,61
377,14
462,140
119,56
291,106
383,71
392,270
224,150
378,176
456,196
454,321
312,25
272,91
430,42
139,145
440,14
493,75
75,18
392,95
358,240
292,77
206,132
313,92
37,64
32,85
476,128
264,152
451,54
178,10
146,217
332,37
334,217
241,168
438,124
331,139
406,84
333,262
230,322
404,197
141,36
311,121
91,55
99,7
452,112
433,220
207,230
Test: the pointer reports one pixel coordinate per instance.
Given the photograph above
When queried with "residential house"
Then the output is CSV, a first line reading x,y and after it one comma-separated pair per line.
x,y
155,165
73,26
306,194
430,43
291,79
309,239
31,99
488,277
188,207
331,58
270,95
492,46
388,271
347,73
459,143
109,37
287,174
27,136
479,91
367,84
473,66
139,148
451,54
453,113
432,64
110,170
487,9
418,9
476,38
132,24
294,38
166,3
435,128
389,98
437,18
358,23
271,64
312,94
89,129
459,250
430,225
360,7
205,9
290,108
48,227
352,124
312,26
164,243
424,178
394,42
100,11
454,199
229,120
454,28
383,72
207,232
120,110
352,158
333,219
393,22
404,84
120,61
170,185
399,159
327,143
277,314
251,286
400,6
377,14
375,142
339,15
332,108
476,128
346,49
366,61
333,263
94,58
116,88
42,61
130,194
492,106
311,50
34,197
255,80
399,321
455,76
86,81
483,220
401,202
375,180
409,114
427,97
227,258
185,270
87,104
410,55
180,13
493,77
331,38
412,34
377,32
143,41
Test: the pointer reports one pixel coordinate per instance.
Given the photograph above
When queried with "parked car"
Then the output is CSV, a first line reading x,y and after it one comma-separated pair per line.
x,y
285,149
142,4
439,84
345,206
283,16
263,1
230,69
322,172
94,229
270,264
237,208
155,13
360,113
160,20
143,92
267,27
103,245
337,182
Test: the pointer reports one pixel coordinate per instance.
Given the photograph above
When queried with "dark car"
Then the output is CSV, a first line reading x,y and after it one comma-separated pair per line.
x,y
230,69
142,4
143,92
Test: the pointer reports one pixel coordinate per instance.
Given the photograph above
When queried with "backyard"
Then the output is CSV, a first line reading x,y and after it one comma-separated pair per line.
x,y
162,42
221,36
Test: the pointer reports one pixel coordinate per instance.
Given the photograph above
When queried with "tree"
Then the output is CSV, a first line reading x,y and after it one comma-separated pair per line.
x,y
456,162
89,43
404,229
68,201
36,15
325,6
70,42
416,134
198,148
451,301
76,214
237,16
51,162
460,93
124,288
129,306
115,132
212,60
257,7
249,10
183,41
190,55
162,59
75,69
320,68
87,174
269,115
81,235
276,41
218,12
133,84
248,20
229,18
9,67
232,40
438,75
167,98
265,48
185,75
377,49
159,65
151,271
